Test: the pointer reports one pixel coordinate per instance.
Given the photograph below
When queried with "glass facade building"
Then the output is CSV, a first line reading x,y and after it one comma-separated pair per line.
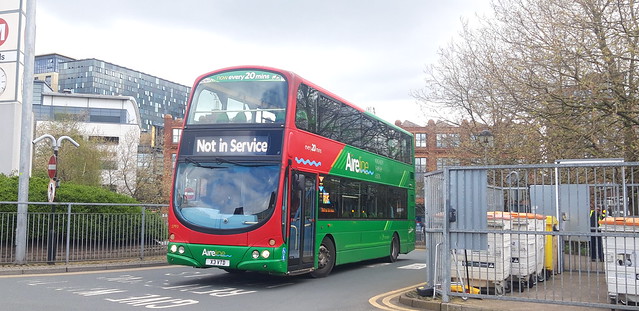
x,y
49,63
155,97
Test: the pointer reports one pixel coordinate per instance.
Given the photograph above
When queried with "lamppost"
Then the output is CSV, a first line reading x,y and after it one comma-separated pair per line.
x,y
486,139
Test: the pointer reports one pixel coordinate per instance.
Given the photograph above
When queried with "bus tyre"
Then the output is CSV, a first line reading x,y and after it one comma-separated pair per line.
x,y
394,249
325,259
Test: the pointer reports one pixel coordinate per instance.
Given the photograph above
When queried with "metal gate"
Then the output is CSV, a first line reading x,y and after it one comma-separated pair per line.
x,y
564,233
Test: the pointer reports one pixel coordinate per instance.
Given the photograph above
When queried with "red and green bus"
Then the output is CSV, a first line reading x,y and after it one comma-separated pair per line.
x,y
275,174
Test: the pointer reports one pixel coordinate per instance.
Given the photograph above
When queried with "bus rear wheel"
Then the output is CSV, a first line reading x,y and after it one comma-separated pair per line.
x,y
394,249
325,259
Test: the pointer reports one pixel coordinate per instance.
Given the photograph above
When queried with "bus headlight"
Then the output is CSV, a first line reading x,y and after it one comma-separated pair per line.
x,y
255,254
265,254
181,249
173,248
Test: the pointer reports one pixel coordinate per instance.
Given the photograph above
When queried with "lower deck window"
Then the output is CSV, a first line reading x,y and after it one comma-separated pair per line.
x,y
348,198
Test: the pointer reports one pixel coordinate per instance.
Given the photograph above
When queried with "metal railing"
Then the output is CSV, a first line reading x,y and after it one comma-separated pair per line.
x,y
78,232
523,233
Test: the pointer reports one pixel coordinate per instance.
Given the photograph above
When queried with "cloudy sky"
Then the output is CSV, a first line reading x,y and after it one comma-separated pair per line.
x,y
369,52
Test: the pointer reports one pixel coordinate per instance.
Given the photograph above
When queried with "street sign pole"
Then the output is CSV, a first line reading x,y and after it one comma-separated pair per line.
x,y
52,170
52,241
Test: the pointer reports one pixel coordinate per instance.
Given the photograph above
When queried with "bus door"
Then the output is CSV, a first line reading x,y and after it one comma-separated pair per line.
x,y
301,240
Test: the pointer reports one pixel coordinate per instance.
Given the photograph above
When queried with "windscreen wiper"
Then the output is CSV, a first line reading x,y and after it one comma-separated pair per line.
x,y
221,160
198,164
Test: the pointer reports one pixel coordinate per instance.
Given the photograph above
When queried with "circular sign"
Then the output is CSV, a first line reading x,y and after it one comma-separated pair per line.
x,y
189,194
51,190
52,167
4,31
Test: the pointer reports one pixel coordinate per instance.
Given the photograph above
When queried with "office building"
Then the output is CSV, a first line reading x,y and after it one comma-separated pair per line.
x,y
46,68
154,96
112,120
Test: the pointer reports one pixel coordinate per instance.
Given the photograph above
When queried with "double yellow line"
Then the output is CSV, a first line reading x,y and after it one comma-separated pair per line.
x,y
388,296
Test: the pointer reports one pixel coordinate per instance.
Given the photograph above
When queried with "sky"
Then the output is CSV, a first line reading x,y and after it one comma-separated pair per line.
x,y
372,53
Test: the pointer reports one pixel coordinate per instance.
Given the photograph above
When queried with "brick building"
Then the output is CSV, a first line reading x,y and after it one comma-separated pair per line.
x,y
439,144
172,133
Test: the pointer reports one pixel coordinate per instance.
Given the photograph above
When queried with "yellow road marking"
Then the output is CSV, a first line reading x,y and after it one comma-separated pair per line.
x,y
388,296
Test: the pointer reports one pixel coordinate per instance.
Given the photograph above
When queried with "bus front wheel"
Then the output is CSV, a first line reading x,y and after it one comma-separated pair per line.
x,y
325,259
394,249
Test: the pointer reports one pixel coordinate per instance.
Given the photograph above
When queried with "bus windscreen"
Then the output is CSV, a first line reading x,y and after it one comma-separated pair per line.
x,y
246,96
225,195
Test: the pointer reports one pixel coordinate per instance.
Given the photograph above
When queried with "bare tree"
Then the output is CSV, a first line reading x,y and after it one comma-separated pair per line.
x,y
121,175
136,173
557,75
151,187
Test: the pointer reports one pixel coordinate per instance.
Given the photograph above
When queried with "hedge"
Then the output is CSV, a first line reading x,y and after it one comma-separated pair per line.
x,y
90,222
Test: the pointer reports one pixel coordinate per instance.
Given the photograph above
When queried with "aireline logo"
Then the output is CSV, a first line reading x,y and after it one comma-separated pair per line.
x,y
357,165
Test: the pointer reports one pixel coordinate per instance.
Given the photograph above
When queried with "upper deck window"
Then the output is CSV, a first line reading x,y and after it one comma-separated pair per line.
x,y
245,96
320,114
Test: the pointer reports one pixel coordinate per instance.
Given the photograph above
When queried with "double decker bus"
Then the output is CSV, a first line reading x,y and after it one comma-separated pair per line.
x,y
275,174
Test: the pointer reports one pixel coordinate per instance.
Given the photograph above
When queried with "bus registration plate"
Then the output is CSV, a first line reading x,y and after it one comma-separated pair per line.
x,y
218,262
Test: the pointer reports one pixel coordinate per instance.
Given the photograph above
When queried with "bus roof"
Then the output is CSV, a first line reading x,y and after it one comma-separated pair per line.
x,y
291,76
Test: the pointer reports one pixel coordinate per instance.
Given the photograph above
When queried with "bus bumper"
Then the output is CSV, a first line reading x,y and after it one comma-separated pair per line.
x,y
175,259
239,257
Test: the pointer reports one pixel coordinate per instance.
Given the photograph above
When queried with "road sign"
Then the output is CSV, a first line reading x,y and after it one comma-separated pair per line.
x,y
189,194
51,190
4,31
53,166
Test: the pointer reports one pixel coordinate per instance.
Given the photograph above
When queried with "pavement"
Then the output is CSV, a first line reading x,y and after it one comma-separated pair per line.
x,y
411,299
13,269
458,304
549,290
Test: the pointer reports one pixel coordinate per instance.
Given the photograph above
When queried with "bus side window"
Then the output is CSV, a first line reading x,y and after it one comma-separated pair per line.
x,y
347,214
306,107
326,207
301,119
